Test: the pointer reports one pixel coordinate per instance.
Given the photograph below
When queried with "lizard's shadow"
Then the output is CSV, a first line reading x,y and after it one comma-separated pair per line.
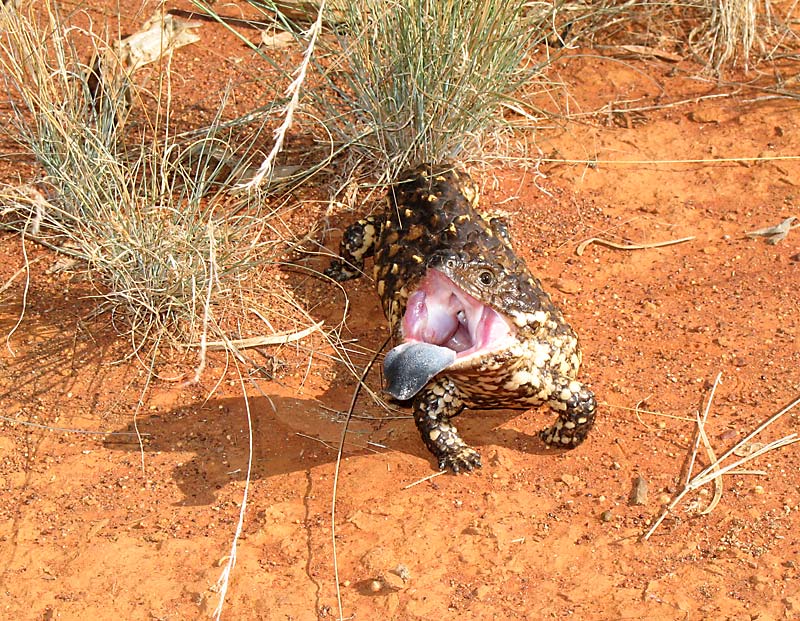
x,y
295,434
291,433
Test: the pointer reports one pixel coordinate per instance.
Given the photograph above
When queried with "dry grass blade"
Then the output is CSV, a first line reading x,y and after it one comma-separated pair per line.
x,y
87,432
579,250
715,470
423,479
336,471
701,432
293,92
729,31
718,32
224,580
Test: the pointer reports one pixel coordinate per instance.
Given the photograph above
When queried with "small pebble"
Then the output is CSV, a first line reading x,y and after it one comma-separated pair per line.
x,y
569,480
758,489
402,571
638,495
375,586
607,515
567,285
393,581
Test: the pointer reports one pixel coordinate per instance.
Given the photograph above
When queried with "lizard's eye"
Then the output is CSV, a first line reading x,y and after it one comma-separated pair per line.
x,y
486,278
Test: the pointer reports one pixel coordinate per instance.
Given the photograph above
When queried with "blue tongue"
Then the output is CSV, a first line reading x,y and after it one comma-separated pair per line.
x,y
408,367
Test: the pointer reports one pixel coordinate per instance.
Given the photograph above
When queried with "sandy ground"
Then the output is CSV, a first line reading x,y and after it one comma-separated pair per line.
x,y
105,527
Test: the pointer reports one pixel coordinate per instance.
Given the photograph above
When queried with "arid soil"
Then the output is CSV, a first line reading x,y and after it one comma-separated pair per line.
x,y
97,526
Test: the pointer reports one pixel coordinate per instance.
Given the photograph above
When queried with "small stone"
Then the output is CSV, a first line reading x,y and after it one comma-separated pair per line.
x,y
482,591
569,480
393,581
664,499
375,586
378,560
759,582
567,285
758,489
638,495
607,515
276,41
792,603
403,572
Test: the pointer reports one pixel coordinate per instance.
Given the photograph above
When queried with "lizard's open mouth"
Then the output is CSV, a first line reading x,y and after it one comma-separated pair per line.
x,y
443,325
441,313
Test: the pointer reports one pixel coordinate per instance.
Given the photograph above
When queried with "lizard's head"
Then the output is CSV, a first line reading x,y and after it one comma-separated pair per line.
x,y
463,311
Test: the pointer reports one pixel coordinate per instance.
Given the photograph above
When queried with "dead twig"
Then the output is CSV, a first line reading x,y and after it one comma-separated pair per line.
x,y
712,458
427,478
330,446
715,470
224,579
715,160
776,233
638,411
609,244
27,270
86,432
257,341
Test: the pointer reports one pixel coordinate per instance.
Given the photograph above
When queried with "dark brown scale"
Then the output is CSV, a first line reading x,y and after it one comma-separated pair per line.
x,y
431,222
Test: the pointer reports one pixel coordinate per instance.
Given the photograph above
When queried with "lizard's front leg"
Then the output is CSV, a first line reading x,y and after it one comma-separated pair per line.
x,y
576,408
434,406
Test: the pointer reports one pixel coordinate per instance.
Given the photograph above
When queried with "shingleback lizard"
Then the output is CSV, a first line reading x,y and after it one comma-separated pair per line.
x,y
474,327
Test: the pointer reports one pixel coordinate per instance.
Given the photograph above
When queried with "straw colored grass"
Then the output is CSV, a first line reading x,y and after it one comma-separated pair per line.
x,y
421,80
169,253
719,466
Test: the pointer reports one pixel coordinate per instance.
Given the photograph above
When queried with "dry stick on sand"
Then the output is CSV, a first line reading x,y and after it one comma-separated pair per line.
x,y
281,338
224,579
716,469
87,432
609,244
716,160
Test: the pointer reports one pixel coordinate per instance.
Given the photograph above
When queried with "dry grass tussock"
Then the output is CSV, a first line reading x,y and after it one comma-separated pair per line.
x,y
174,256
718,33
422,80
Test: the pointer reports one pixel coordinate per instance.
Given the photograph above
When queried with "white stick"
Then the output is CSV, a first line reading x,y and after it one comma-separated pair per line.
x,y
294,90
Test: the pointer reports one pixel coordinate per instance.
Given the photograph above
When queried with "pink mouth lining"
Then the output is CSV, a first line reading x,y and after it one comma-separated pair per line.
x,y
441,313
